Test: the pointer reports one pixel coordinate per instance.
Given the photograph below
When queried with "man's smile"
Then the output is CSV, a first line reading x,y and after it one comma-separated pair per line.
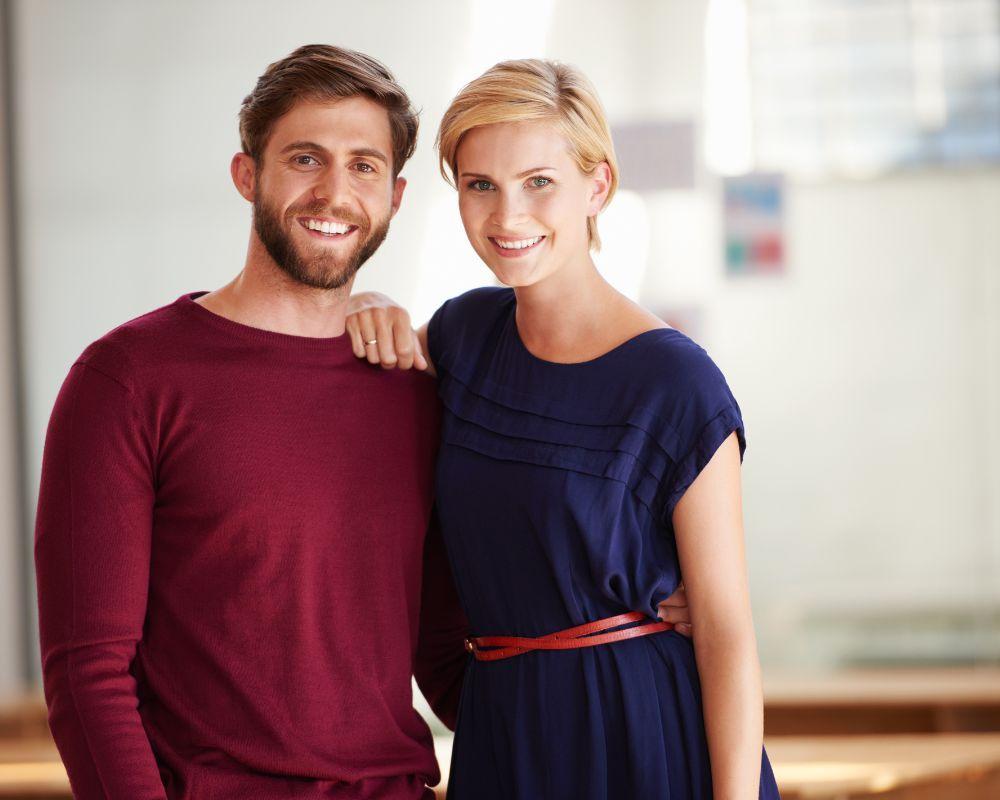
x,y
326,228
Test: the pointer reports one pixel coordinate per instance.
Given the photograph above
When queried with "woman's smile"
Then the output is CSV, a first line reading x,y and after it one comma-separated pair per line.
x,y
515,248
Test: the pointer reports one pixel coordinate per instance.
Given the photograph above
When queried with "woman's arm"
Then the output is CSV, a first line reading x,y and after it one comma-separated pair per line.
x,y
381,331
708,526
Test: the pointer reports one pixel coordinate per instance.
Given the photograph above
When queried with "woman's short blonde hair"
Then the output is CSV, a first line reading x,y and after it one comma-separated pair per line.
x,y
533,89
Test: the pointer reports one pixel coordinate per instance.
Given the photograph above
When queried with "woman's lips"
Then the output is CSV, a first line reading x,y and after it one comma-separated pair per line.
x,y
516,251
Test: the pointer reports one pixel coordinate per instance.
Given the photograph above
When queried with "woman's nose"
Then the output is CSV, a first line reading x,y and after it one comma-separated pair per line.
x,y
507,210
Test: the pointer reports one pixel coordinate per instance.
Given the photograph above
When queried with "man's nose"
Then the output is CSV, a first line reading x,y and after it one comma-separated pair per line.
x,y
333,187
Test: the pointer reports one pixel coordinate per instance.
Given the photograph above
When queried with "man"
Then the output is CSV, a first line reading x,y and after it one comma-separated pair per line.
x,y
233,577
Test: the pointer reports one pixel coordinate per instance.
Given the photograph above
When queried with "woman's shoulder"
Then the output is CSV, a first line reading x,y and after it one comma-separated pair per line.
x,y
471,305
667,363
464,322
670,351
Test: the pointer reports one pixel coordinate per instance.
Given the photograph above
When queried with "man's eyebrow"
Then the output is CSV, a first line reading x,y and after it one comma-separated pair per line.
x,y
519,175
303,145
370,152
367,152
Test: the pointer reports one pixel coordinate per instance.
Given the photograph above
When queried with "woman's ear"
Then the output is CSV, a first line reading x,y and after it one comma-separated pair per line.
x,y
600,182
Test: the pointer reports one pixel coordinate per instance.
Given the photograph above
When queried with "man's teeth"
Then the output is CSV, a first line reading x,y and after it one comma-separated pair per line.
x,y
327,227
519,244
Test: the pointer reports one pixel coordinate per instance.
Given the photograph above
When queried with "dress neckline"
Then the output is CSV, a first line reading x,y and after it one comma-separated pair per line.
x,y
626,345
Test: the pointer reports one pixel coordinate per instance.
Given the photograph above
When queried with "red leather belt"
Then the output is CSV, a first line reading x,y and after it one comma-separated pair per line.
x,y
589,635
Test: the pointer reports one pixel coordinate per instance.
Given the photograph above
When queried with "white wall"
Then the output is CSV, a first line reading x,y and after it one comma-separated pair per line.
x,y
868,376
11,545
871,381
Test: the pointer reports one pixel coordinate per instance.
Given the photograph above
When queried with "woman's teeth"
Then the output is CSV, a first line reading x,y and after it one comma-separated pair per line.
x,y
518,244
326,227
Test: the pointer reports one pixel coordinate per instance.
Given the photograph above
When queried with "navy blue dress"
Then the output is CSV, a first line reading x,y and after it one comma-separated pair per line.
x,y
555,489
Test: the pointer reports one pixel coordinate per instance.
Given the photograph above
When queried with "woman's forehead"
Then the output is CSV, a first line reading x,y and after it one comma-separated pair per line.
x,y
512,147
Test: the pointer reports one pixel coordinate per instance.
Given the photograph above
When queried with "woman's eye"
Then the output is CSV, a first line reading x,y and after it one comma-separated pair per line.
x,y
539,183
481,186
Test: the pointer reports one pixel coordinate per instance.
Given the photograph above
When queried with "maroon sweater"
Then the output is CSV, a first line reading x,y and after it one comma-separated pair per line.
x,y
233,583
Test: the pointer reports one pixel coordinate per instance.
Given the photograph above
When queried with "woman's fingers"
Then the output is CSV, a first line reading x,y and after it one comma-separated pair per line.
x,y
354,331
677,599
675,610
386,342
384,336
419,359
672,614
369,339
404,341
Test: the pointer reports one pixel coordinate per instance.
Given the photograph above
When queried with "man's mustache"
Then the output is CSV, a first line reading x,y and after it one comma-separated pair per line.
x,y
320,210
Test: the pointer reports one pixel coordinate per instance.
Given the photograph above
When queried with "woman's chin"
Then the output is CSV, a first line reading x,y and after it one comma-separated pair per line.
x,y
514,274
512,278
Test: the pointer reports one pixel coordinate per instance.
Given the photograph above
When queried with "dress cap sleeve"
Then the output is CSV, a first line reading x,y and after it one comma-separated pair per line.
x,y
707,415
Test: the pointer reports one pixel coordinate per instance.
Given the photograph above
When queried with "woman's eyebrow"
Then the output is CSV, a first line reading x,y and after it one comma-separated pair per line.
x,y
519,175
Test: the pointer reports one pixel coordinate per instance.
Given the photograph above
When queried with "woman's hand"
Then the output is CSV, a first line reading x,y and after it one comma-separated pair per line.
x,y
380,331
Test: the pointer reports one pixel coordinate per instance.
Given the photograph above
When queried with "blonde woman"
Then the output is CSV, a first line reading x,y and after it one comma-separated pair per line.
x,y
590,457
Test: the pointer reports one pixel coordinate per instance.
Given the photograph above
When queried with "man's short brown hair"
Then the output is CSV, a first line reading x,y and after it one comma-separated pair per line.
x,y
322,72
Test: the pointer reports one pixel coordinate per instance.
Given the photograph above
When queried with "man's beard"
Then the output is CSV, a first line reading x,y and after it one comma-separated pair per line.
x,y
322,271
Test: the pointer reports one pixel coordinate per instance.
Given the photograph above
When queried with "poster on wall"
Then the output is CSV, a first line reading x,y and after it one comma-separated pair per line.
x,y
753,224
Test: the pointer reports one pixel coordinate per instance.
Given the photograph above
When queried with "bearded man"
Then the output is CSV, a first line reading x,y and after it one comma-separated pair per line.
x,y
230,601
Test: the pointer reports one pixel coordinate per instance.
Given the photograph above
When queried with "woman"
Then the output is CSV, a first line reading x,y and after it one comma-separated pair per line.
x,y
590,457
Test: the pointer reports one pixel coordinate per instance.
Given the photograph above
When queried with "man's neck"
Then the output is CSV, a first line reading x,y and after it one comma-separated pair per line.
x,y
263,296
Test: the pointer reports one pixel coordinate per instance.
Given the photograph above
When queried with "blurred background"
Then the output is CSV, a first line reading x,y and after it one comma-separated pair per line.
x,y
810,190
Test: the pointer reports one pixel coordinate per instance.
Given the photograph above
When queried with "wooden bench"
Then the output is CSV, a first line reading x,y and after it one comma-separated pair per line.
x,y
900,767
30,769
963,766
926,766
868,701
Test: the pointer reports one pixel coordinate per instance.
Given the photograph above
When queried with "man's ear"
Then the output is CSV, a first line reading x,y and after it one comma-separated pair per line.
x,y
244,171
397,195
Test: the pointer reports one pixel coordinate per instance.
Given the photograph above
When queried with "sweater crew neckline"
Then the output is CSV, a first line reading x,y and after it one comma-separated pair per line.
x,y
186,303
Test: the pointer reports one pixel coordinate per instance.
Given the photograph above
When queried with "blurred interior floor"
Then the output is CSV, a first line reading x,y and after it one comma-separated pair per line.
x,y
864,734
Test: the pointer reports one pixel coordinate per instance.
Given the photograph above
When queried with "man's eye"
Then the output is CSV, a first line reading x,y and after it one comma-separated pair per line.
x,y
481,186
539,182
364,166
305,161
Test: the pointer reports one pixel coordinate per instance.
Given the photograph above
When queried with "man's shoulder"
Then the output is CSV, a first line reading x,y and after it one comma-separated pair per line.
x,y
133,346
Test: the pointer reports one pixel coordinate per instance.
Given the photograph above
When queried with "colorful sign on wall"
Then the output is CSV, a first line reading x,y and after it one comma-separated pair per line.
x,y
754,224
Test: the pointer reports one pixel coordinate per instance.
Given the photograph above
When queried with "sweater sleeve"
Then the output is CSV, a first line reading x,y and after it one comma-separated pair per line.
x,y
92,553
439,666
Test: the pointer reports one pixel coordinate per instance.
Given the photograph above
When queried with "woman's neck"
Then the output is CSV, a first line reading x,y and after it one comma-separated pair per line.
x,y
573,315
